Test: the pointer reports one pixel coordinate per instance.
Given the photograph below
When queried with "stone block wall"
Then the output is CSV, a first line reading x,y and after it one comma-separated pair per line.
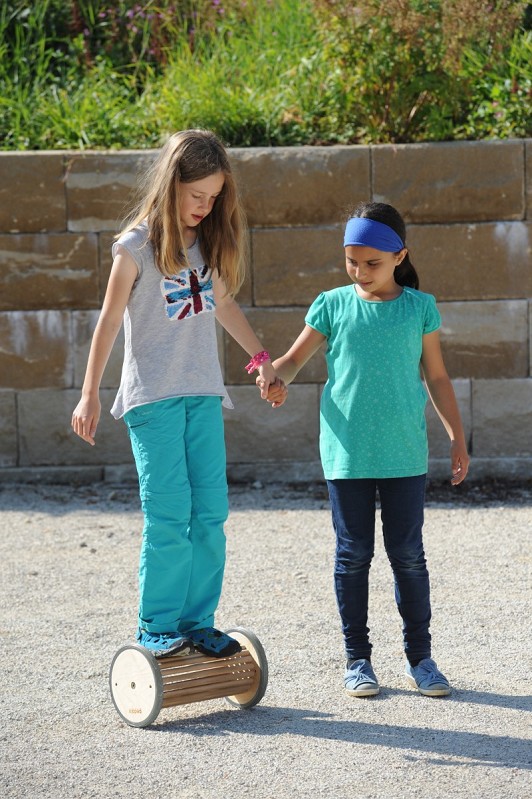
x,y
469,212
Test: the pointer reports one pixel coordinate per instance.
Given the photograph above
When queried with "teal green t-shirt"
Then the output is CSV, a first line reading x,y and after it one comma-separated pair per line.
x,y
372,415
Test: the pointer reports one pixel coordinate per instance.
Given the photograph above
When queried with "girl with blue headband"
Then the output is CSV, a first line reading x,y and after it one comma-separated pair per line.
x,y
382,343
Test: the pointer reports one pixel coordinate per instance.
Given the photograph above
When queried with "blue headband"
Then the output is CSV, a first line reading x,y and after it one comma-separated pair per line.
x,y
368,233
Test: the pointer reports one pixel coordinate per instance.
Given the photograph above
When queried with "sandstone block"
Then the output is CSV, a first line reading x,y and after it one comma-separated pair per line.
x,y
518,469
278,472
83,324
53,475
257,433
100,187
8,429
48,271
291,267
451,181
46,438
277,329
473,262
301,185
485,339
105,243
439,444
530,336
35,349
528,171
32,192
122,474
502,418
245,295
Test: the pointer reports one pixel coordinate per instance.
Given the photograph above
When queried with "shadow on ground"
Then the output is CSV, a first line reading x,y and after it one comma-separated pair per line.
x,y
468,747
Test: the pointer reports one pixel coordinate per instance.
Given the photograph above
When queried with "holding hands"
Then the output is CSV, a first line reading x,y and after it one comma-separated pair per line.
x,y
273,391
272,388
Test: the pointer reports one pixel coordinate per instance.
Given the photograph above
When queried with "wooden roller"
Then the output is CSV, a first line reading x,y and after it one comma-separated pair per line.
x,y
142,684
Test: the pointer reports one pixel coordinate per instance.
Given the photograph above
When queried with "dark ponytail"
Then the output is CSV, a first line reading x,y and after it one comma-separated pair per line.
x,y
405,274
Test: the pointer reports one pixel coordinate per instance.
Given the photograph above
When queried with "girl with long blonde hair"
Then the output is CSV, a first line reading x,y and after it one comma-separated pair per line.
x,y
177,266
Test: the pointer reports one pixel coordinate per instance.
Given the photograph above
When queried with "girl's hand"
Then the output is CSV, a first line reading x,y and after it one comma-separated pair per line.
x,y
277,392
85,419
459,463
266,377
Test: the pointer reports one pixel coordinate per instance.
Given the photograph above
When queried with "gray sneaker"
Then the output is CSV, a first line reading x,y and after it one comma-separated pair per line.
x,y
360,679
427,678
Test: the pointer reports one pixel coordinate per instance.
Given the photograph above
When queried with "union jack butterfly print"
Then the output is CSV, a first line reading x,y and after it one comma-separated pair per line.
x,y
189,293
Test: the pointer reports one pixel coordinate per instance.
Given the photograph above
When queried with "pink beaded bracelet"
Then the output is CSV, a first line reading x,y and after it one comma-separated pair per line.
x,y
256,361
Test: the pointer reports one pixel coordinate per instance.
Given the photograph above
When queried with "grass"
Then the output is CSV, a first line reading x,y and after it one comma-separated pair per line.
x,y
95,74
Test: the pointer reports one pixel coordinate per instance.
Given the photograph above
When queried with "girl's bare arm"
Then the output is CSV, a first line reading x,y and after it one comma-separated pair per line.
x,y
307,343
232,319
86,415
443,398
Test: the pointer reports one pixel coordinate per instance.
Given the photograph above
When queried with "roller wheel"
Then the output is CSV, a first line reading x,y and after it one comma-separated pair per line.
x,y
253,695
136,685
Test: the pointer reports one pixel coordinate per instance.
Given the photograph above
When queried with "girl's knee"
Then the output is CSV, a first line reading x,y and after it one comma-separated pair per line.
x,y
352,565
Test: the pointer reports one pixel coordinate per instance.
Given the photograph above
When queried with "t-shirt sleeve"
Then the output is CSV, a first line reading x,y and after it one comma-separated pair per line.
x,y
134,241
432,319
318,316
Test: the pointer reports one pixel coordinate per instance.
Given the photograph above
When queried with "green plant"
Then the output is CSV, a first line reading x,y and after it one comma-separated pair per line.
x,y
246,82
501,104
124,73
28,64
405,66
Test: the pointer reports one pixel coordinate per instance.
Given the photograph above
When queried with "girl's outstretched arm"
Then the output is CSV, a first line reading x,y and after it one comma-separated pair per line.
x,y
443,398
232,319
307,343
87,412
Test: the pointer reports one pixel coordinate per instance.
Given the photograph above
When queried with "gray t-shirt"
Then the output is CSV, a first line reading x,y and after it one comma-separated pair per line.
x,y
170,347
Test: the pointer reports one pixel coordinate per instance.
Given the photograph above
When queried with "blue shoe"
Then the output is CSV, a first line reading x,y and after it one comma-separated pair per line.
x,y
164,644
360,679
427,678
214,643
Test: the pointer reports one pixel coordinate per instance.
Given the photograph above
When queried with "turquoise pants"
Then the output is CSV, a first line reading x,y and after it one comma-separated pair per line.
x,y
179,451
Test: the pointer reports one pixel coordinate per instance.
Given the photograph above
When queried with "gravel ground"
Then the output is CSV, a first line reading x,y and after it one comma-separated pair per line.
x,y
68,589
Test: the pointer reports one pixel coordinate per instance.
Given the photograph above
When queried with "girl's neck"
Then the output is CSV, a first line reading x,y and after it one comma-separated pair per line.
x,y
190,235
386,295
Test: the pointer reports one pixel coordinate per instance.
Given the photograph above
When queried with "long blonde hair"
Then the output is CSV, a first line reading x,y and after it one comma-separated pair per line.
x,y
188,156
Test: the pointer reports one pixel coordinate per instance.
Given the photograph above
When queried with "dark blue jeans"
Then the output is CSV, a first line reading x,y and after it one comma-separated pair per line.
x,y
353,505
